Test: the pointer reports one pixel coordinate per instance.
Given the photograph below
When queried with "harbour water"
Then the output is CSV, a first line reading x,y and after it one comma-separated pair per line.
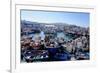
x,y
66,37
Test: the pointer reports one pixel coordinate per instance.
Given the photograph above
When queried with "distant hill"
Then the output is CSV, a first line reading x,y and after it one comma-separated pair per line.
x,y
24,22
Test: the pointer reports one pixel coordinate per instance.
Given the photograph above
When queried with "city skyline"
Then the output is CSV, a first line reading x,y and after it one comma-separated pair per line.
x,y
76,18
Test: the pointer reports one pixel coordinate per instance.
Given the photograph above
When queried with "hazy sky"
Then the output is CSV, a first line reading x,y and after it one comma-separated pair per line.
x,y
77,18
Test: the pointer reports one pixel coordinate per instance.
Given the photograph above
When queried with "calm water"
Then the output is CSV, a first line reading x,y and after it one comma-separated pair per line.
x,y
58,35
62,35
